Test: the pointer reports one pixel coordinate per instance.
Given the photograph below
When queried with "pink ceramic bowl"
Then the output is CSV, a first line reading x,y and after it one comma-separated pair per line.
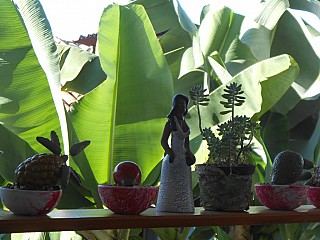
x,y
127,200
314,196
281,197
30,202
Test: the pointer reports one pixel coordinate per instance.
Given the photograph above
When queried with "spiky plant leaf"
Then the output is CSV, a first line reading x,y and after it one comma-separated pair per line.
x,y
55,139
78,147
53,147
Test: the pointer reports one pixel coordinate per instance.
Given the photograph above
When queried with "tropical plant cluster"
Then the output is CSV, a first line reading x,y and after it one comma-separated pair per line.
x,y
127,86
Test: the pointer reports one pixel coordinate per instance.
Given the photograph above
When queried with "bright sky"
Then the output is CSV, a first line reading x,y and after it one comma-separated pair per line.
x,y
71,18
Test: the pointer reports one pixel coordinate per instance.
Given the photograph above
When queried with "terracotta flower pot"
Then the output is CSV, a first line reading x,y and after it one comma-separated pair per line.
x,y
30,202
127,200
281,197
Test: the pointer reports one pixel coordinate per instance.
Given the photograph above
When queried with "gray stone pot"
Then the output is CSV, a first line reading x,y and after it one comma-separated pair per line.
x,y
223,191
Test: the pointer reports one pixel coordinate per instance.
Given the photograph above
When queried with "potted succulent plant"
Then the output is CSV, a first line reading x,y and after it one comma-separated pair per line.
x,y
39,179
225,180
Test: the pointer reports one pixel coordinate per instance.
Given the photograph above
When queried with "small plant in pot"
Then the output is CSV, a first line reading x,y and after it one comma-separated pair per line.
x,y
39,179
225,180
286,191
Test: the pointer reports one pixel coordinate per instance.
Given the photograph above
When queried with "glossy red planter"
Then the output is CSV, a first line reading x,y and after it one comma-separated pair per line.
x,y
281,197
127,200
30,202
314,196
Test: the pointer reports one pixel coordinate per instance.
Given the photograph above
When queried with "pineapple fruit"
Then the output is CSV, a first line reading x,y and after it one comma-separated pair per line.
x,y
46,171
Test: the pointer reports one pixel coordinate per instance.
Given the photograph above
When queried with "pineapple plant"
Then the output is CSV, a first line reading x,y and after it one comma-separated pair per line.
x,y
48,171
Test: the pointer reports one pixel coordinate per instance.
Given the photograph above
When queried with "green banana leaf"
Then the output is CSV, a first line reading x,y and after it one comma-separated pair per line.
x,y
81,71
275,133
293,35
257,32
160,13
270,13
218,30
276,73
31,98
299,45
41,37
218,35
9,160
125,115
184,20
30,101
174,43
309,6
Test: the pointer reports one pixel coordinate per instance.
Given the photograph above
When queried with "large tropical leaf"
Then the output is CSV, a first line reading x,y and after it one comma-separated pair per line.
x,y
160,13
174,43
41,37
9,160
292,37
127,111
275,133
29,94
218,30
271,78
218,35
184,19
80,70
308,5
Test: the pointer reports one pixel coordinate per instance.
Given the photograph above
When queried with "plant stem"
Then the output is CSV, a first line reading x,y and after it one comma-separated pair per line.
x,y
199,117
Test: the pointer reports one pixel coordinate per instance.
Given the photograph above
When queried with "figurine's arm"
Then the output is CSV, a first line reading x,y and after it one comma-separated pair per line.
x,y
187,145
164,141
191,159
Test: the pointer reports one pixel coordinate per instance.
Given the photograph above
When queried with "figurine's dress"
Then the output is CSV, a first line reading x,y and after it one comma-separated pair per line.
x,y
175,193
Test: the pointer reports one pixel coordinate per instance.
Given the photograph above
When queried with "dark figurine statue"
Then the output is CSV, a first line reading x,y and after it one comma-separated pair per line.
x,y
175,193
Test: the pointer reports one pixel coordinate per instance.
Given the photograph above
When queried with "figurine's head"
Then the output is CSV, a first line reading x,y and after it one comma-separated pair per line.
x,y
179,105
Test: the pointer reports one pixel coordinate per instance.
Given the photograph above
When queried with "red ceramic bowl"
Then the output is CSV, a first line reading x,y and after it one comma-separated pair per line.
x,y
127,200
30,202
281,197
314,196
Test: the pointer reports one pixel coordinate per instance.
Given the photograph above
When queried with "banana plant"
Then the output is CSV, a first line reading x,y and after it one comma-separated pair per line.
x,y
121,116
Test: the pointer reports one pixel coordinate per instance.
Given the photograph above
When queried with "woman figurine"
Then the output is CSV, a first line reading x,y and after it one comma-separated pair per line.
x,y
175,193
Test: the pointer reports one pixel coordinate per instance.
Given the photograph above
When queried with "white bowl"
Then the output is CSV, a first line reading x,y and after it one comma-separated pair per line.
x,y
30,202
